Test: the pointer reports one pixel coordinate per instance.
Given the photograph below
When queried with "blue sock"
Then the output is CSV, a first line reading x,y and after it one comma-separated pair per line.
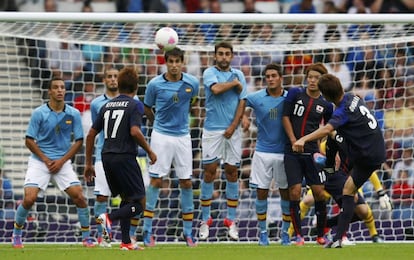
x,y
20,219
232,195
83,215
134,225
206,197
151,201
284,204
99,208
187,206
261,212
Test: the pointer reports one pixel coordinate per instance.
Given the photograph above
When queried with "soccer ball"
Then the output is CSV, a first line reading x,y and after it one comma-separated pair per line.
x,y
166,38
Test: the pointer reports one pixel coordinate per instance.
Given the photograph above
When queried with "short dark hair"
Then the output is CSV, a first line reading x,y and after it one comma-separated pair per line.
x,y
330,87
223,44
108,69
319,67
274,66
54,78
128,80
177,52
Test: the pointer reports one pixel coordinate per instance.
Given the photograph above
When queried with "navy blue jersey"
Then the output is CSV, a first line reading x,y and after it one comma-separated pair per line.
x,y
306,114
354,122
116,119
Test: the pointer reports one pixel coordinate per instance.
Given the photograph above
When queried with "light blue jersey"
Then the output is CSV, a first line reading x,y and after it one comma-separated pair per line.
x,y
53,131
220,109
172,102
271,136
96,106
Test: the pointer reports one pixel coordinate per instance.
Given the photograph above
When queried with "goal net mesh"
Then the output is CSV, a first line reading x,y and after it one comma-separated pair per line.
x,y
374,60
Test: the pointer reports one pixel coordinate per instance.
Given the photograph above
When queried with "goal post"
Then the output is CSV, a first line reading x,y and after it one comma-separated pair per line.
x,y
372,54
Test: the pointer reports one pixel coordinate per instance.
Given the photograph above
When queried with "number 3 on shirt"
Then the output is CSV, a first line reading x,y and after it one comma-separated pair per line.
x,y
365,112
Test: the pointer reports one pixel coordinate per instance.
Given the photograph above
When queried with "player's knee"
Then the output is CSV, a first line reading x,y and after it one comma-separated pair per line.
x,y
294,194
28,202
186,184
209,176
362,211
79,200
232,174
156,182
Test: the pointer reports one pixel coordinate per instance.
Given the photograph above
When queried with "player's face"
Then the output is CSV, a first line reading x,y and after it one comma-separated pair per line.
x,y
111,80
174,66
57,91
273,79
223,57
312,78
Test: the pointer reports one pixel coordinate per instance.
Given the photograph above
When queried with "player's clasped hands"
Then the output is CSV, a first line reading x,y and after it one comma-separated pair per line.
x,y
54,166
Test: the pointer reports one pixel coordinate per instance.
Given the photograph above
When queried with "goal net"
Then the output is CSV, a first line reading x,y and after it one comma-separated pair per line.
x,y
371,54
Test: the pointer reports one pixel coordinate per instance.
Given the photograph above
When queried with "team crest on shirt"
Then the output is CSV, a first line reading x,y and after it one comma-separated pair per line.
x,y
175,98
319,109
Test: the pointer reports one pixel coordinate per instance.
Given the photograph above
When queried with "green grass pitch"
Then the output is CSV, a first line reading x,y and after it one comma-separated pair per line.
x,y
211,251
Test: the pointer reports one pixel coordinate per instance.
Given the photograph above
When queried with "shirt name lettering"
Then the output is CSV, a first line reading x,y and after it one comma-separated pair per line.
x,y
117,104
354,103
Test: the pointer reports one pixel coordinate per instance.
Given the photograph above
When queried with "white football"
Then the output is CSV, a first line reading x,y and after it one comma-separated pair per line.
x,y
166,38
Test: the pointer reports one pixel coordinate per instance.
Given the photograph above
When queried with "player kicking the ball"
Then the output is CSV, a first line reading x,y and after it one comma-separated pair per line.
x,y
365,144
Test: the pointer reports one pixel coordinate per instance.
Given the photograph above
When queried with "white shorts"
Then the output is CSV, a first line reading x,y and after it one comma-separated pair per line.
x,y
101,185
38,175
175,150
216,147
267,167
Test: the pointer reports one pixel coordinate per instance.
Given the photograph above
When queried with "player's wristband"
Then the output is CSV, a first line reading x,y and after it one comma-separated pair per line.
x,y
381,193
329,170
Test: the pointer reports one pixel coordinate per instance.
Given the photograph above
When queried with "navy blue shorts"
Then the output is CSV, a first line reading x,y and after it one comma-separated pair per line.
x,y
361,173
334,185
124,176
299,166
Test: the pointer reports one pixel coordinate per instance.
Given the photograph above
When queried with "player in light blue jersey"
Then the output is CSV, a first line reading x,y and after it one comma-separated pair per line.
x,y
49,137
267,161
171,95
225,90
101,190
